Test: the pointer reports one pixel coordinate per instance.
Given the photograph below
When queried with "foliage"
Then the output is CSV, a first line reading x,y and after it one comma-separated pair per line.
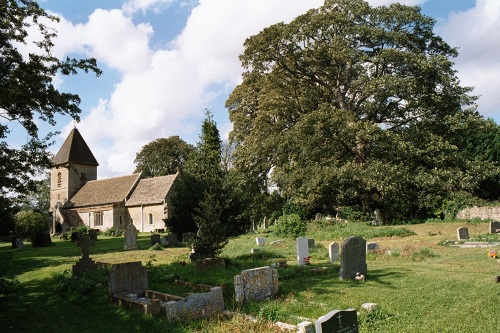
x,y
80,287
34,226
455,202
8,286
353,105
162,157
290,225
319,231
81,228
27,90
353,214
37,199
291,207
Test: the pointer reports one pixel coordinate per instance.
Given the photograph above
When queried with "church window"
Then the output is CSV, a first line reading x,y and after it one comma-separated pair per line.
x,y
98,219
59,179
151,219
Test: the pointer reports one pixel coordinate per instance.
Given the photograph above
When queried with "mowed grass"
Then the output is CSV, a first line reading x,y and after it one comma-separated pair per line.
x,y
418,284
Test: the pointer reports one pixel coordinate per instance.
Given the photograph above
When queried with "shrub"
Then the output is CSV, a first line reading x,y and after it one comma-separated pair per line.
x,y
290,225
353,214
33,226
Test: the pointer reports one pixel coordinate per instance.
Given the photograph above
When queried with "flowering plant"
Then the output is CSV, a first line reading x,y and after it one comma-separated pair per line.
x,y
492,254
307,260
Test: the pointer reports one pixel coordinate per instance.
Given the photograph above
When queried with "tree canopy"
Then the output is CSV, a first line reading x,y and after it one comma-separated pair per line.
x,y
350,104
27,91
164,156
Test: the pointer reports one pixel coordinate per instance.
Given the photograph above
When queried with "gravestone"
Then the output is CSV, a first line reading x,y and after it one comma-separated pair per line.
x,y
462,233
172,239
338,321
494,227
76,236
302,250
187,237
333,252
261,241
256,284
155,239
85,263
19,243
128,278
131,237
93,234
318,217
164,241
310,243
352,258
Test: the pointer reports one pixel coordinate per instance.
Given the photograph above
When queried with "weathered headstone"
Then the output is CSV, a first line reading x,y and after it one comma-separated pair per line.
x,y
93,234
352,258
338,321
85,263
462,233
76,236
164,241
333,252
131,237
19,243
318,217
265,223
155,239
172,239
261,241
128,278
310,243
256,284
302,250
494,227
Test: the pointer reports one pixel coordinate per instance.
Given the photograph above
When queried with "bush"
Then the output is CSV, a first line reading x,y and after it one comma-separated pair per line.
x,y
33,226
353,214
290,225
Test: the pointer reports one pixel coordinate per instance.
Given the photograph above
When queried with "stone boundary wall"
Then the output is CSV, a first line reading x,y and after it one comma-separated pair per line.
x,y
482,213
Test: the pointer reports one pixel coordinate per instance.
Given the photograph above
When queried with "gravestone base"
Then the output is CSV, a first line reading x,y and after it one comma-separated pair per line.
x,y
83,266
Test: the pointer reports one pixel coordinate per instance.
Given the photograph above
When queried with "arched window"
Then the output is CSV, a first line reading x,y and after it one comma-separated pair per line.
x,y
59,179
151,219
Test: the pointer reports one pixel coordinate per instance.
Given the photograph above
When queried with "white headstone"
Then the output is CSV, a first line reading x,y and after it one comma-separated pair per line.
x,y
333,252
302,250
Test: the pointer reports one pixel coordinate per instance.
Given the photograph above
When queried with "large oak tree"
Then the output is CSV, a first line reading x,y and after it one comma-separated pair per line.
x,y
27,91
353,105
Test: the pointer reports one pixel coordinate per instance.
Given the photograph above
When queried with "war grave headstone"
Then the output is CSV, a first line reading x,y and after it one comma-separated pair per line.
x,y
155,239
463,233
256,284
131,233
302,250
338,321
310,243
352,258
494,227
333,252
85,263
261,241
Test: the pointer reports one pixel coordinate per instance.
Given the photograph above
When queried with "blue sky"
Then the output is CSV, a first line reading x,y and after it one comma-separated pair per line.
x,y
166,61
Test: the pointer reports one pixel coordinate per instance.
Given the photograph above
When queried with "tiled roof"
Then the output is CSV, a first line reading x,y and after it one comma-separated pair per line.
x,y
75,150
104,192
151,190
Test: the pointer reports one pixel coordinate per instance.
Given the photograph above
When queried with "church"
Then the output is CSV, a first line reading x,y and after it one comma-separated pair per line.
x,y
78,198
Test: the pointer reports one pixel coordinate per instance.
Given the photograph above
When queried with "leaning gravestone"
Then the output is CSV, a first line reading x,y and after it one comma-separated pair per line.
x,y
131,237
338,321
352,258
85,263
462,233
333,252
494,227
302,250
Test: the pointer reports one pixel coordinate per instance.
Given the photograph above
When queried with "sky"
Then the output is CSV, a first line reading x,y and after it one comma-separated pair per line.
x,y
165,62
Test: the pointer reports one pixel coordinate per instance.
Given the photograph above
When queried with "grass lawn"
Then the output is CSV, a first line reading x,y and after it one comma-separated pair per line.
x,y
419,284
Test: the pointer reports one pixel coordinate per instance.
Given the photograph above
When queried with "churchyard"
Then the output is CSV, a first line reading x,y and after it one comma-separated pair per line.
x,y
422,278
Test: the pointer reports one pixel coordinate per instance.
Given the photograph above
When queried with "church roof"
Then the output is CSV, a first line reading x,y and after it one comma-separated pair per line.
x,y
75,150
104,192
151,190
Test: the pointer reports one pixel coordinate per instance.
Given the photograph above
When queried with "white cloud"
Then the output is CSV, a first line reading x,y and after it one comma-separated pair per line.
x,y
133,6
476,33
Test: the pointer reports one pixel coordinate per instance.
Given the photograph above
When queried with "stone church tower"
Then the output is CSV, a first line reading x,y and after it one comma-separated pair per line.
x,y
72,167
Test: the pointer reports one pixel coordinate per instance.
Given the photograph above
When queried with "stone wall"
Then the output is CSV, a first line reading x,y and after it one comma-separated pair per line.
x,y
482,213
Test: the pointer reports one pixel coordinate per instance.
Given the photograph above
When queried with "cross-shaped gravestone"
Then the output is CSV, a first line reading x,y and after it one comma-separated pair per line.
x,y
85,263
85,244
